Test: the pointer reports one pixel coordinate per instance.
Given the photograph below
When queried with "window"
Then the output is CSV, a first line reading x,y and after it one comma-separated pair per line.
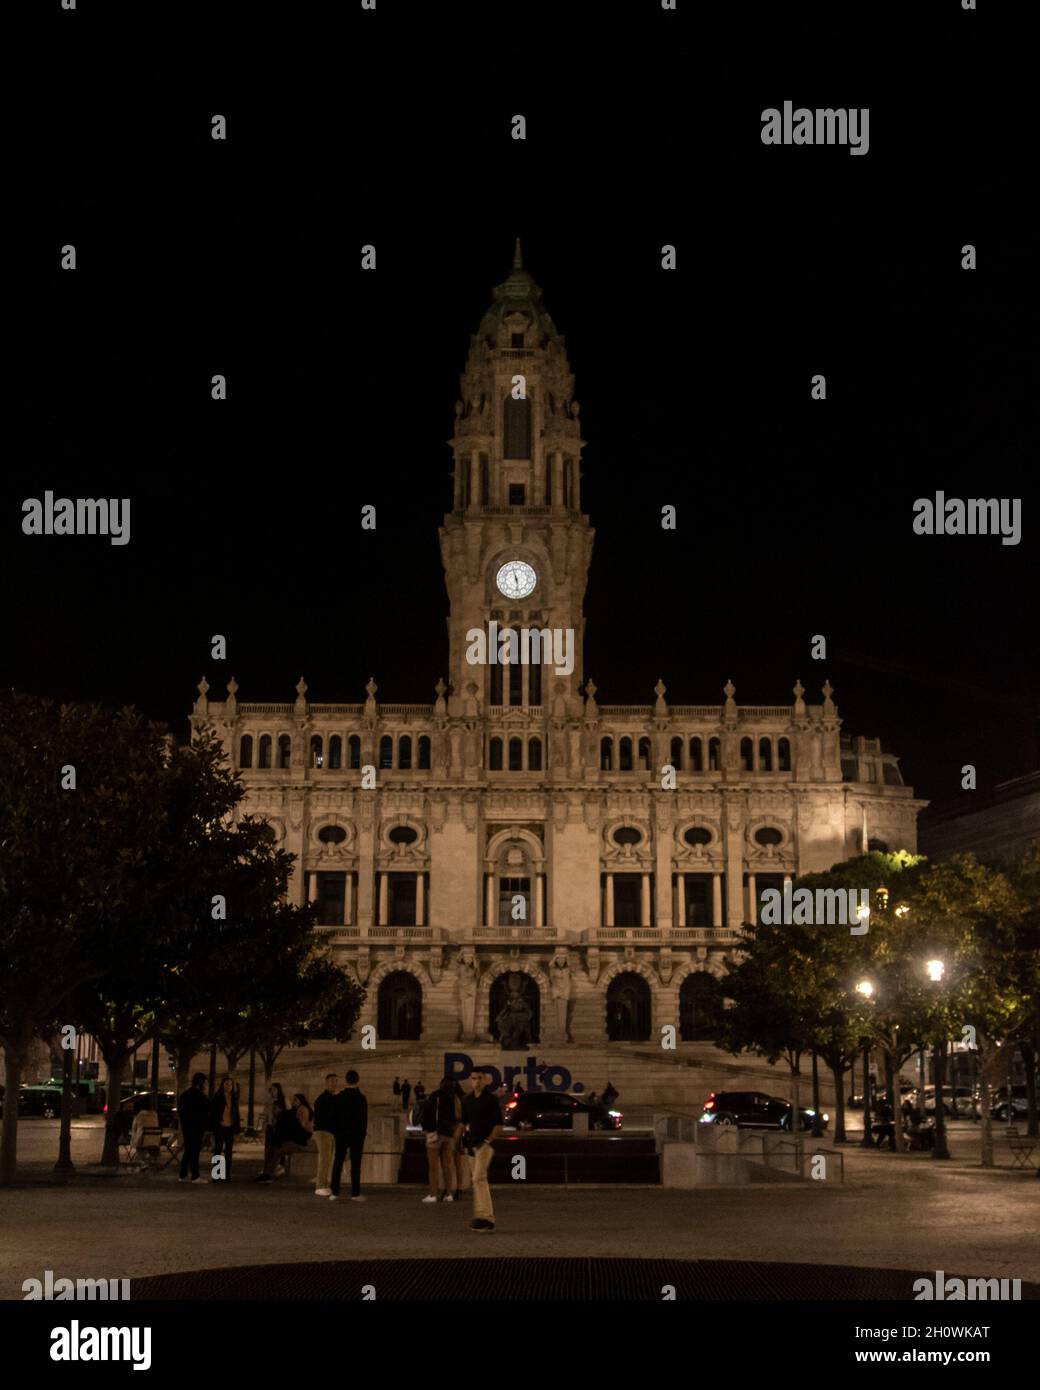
x,y
462,464
696,755
332,835
508,889
534,683
747,755
769,835
401,900
335,751
516,683
424,753
516,494
697,835
534,754
713,755
317,757
331,899
627,835
483,480
765,755
517,340
606,755
628,889
783,755
404,752
245,751
516,755
700,1008
386,751
625,755
517,428
568,482
697,889
354,751
403,835
495,755
284,750
644,754
495,684
548,480
264,759
675,756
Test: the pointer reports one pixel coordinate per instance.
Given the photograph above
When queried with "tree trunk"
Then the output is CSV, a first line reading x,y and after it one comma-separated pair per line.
x,y
15,1055
115,1065
840,1136
1029,1062
183,1061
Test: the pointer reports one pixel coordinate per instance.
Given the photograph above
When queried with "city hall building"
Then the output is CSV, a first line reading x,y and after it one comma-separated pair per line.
x,y
516,864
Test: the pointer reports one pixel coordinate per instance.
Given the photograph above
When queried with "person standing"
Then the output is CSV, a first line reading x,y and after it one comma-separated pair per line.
x,y
326,1128
193,1118
396,1102
225,1123
482,1117
406,1093
442,1124
352,1117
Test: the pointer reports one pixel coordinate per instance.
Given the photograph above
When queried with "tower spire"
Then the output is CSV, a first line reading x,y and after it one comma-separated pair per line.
x,y
518,263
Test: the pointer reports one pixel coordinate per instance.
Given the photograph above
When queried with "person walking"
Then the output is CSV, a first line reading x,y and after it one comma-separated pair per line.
x,y
482,1117
352,1117
406,1092
326,1127
193,1118
396,1102
442,1125
225,1123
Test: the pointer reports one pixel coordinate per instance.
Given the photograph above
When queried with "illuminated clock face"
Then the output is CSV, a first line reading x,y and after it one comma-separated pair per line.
x,y
516,579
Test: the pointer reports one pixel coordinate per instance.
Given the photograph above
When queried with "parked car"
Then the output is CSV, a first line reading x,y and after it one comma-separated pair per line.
x,y
959,1102
855,1101
1019,1103
554,1110
167,1106
43,1100
754,1110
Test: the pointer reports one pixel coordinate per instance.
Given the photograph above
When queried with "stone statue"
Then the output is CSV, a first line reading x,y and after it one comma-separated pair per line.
x,y
467,975
514,1017
560,979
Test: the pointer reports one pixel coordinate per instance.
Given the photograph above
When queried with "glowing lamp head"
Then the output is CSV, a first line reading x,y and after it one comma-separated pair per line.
x,y
865,988
936,970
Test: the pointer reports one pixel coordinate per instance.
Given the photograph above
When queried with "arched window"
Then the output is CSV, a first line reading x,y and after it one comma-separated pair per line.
x,y
769,835
264,758
404,752
495,684
783,754
534,754
534,683
335,751
747,755
606,754
284,750
625,755
700,1007
765,755
245,751
644,754
386,751
713,755
317,756
353,751
424,753
399,1007
484,480
696,755
517,428
516,755
516,683
676,754
332,835
495,755
628,1008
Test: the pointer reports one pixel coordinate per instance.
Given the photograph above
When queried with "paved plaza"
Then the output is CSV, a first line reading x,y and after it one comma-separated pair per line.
x,y
893,1212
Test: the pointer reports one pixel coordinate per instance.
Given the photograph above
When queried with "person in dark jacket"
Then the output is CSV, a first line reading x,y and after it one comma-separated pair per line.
x,y
406,1094
442,1129
352,1117
482,1117
326,1127
193,1119
225,1124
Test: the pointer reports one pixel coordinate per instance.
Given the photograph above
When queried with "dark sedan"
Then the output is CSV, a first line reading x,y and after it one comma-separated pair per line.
x,y
753,1110
553,1110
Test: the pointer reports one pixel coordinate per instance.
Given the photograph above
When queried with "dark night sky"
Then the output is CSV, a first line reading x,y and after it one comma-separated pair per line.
x,y
199,257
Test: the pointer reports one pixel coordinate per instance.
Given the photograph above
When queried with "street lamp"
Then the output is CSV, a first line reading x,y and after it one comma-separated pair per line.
x,y
936,970
866,990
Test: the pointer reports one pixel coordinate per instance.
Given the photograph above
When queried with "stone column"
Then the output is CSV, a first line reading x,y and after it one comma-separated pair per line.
x,y
644,901
420,900
384,893
312,888
489,900
348,900
752,905
557,480
608,906
787,880
716,900
474,479
539,900
680,899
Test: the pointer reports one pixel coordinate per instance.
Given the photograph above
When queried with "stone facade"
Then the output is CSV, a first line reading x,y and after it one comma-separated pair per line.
x,y
516,861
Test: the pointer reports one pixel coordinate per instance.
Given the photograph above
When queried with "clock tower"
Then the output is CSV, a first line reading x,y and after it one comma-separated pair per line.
x,y
516,546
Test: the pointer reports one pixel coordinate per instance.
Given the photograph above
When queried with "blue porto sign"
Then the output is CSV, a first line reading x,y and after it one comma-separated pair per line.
x,y
537,1077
